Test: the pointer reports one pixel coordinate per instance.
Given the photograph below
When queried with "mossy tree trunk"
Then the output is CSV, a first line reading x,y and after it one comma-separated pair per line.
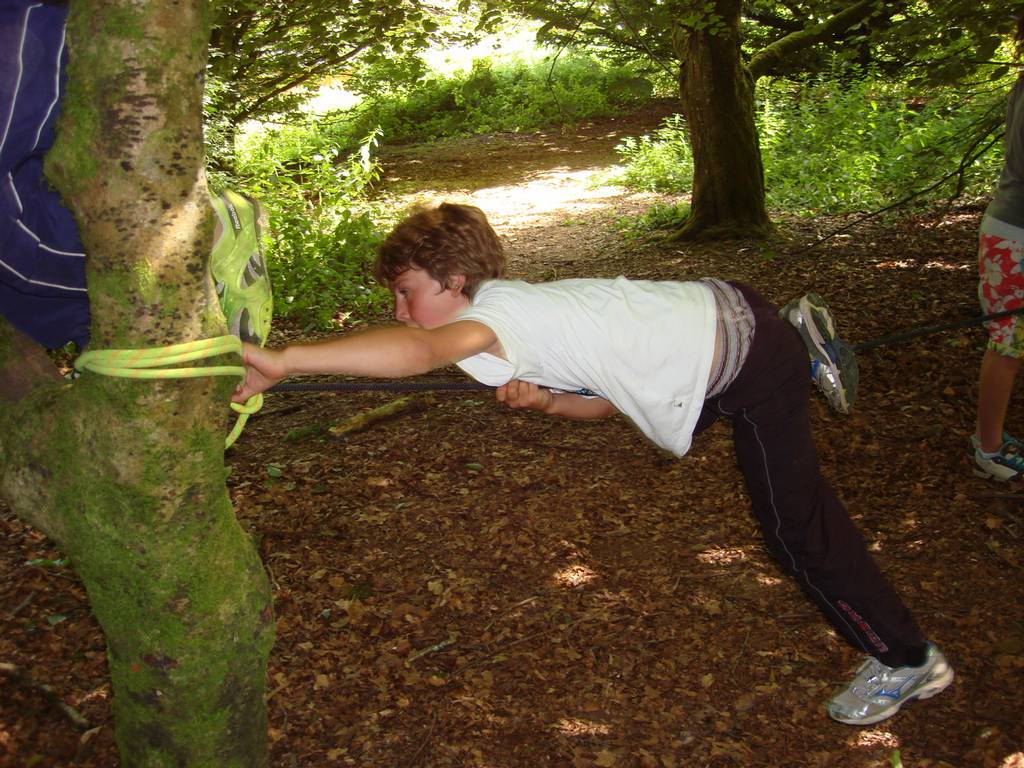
x,y
127,477
718,104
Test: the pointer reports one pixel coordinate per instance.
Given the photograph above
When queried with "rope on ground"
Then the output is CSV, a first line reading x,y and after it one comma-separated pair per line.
x,y
147,364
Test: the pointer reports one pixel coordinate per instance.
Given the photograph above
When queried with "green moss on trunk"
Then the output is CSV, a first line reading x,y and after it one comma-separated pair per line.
x,y
128,476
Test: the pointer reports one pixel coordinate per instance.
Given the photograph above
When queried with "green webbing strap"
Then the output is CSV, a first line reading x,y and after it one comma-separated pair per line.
x,y
146,364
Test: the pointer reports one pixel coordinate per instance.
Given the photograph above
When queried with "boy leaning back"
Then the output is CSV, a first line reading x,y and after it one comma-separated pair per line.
x,y
671,356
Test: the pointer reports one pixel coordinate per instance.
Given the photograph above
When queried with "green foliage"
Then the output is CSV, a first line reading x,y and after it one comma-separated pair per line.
x,y
267,55
324,231
940,41
658,216
829,148
701,15
661,162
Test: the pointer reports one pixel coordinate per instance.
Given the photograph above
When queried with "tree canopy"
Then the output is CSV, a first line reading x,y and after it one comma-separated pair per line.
x,y
268,56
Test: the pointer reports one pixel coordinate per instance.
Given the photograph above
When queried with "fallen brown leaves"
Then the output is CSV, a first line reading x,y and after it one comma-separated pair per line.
x,y
466,586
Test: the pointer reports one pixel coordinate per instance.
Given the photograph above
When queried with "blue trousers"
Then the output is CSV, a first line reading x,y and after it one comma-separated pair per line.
x,y
42,261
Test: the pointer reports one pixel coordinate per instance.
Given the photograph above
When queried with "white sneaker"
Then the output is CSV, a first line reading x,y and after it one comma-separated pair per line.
x,y
1007,464
877,691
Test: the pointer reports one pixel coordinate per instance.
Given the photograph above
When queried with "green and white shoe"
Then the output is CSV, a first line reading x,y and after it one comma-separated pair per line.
x,y
1006,464
239,268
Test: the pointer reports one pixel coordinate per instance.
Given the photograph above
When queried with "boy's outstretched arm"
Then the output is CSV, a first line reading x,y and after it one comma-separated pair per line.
x,y
385,351
523,394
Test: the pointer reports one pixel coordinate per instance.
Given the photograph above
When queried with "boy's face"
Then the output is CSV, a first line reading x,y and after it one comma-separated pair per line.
x,y
421,302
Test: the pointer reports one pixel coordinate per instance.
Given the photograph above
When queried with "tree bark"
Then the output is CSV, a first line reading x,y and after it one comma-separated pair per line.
x,y
126,476
718,104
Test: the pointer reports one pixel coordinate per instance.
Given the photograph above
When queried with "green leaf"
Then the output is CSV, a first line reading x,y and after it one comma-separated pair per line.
x,y
474,467
274,471
55,618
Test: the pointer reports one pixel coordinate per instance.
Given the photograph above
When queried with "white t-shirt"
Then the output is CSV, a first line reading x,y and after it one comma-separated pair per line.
x,y
645,346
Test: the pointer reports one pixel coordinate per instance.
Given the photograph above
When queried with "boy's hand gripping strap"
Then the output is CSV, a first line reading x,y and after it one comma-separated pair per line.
x,y
146,364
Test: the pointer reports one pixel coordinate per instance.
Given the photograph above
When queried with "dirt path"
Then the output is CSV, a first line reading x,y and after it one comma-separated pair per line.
x,y
542,192
465,586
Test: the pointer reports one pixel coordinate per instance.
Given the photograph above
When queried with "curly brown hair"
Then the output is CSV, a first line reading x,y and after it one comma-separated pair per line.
x,y
446,241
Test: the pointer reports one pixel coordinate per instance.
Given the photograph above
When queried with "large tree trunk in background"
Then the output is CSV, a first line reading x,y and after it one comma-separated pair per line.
x,y
128,476
718,103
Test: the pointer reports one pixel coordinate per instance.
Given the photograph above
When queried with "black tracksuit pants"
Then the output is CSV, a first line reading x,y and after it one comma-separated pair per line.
x,y
804,524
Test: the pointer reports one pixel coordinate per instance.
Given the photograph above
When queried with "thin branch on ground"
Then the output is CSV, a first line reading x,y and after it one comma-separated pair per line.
x,y
22,678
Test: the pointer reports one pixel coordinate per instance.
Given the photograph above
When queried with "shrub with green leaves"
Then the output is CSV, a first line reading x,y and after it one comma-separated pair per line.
x,y
837,149
661,162
324,231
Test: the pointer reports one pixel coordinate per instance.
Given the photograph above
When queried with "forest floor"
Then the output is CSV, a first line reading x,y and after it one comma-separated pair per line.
x,y
462,585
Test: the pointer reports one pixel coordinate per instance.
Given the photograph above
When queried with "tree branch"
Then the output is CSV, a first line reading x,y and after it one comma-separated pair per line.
x,y
22,678
769,58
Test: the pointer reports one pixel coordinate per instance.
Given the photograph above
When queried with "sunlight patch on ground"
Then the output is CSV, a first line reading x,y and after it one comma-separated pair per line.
x,y
559,196
942,265
1016,760
768,581
572,726
946,267
722,556
876,738
575,575
550,195
100,693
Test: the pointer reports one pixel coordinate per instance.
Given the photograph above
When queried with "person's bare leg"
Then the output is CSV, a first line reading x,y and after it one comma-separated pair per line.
x,y
998,373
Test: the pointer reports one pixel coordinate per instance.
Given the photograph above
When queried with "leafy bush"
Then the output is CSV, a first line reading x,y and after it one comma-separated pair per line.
x,y
833,149
658,216
506,96
659,163
324,229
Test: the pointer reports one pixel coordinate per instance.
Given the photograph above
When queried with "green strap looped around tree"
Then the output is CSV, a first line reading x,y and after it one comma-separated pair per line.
x,y
146,364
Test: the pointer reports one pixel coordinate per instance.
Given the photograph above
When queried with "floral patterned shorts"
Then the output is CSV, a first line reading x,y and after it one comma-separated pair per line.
x,y
1001,284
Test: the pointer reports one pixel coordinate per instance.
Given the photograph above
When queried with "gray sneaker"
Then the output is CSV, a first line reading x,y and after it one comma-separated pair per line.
x,y
833,363
878,691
